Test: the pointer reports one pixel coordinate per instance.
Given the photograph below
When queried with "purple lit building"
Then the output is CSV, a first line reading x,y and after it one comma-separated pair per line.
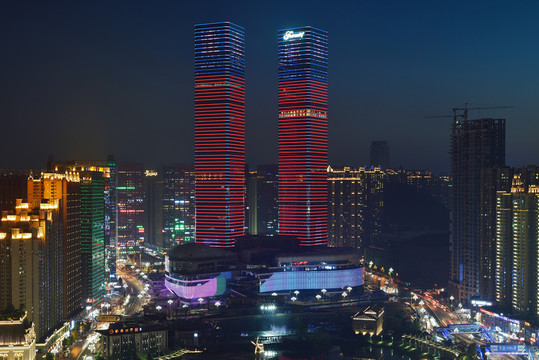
x,y
196,271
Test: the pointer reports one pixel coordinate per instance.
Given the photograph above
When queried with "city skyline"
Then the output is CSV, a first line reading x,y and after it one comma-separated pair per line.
x,y
382,78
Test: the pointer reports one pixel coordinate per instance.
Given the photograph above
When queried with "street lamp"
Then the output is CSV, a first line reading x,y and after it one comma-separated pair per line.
x,y
421,303
200,301
217,304
296,292
318,296
170,306
349,289
274,294
344,295
293,298
158,308
323,291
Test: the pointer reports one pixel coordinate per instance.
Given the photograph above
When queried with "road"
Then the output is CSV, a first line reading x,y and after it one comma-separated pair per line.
x,y
83,349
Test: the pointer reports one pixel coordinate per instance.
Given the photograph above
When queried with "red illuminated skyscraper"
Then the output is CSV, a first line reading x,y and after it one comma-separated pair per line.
x,y
303,134
219,133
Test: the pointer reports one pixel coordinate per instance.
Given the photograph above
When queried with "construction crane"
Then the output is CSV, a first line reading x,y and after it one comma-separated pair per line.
x,y
465,109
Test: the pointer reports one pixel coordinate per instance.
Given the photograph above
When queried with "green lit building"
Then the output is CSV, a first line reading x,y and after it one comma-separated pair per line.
x,y
92,184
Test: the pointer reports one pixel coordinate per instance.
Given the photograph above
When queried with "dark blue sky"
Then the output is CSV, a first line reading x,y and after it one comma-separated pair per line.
x,y
85,79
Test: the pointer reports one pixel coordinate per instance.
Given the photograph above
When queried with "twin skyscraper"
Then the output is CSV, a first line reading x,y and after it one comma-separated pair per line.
x,y
220,134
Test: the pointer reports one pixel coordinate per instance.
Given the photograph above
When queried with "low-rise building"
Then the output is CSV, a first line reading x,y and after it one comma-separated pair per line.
x,y
123,339
17,339
369,320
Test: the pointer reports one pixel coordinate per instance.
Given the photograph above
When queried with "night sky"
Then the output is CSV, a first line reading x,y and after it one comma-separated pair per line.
x,y
83,79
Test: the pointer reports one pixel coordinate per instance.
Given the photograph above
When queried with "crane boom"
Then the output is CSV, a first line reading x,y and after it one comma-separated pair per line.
x,y
465,110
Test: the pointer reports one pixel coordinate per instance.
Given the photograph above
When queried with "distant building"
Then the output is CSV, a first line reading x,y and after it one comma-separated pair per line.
x,y
130,209
369,321
379,156
355,206
251,201
31,263
219,133
263,195
153,216
475,145
17,339
303,116
12,187
177,183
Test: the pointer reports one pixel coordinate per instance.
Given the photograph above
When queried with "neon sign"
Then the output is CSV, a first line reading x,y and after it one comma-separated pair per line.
x,y
292,35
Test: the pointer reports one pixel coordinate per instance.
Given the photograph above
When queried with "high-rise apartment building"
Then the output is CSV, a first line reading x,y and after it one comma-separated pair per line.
x,y
219,133
31,263
303,65
109,169
475,145
263,195
92,215
66,189
177,182
516,244
355,206
153,224
130,195
379,155
13,186
493,180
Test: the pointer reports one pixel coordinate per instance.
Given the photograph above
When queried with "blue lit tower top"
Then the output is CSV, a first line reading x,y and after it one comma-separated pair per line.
x,y
303,54
219,48
303,65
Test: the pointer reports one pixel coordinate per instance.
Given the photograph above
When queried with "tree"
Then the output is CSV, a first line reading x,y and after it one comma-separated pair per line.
x,y
471,351
49,356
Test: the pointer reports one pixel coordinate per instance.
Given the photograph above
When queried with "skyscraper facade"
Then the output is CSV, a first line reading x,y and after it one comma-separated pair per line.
x,y
516,244
263,196
355,206
109,169
177,183
130,193
66,189
475,145
219,133
153,227
92,228
303,63
31,262
493,180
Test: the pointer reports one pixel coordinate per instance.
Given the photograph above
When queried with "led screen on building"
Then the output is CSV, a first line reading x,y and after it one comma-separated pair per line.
x,y
312,280
200,288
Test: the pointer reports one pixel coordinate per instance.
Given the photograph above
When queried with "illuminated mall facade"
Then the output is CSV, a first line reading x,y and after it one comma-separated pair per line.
x,y
195,271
